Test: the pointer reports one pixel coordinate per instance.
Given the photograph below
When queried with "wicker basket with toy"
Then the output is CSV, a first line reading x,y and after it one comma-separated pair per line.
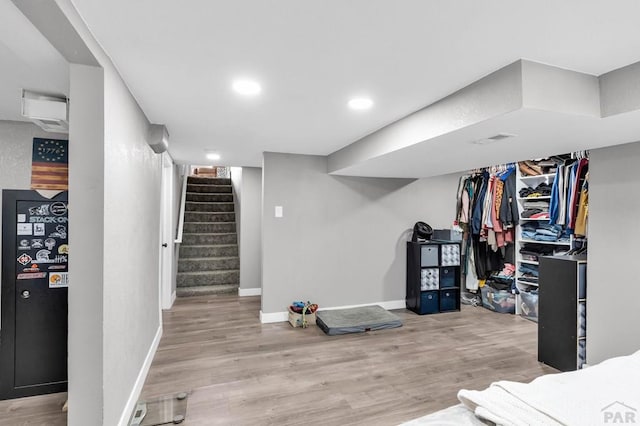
x,y
302,314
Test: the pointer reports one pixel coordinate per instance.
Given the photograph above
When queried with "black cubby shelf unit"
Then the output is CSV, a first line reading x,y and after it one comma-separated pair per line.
x,y
433,276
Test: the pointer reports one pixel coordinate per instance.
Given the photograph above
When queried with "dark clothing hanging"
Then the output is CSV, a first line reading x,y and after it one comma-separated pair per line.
x,y
509,205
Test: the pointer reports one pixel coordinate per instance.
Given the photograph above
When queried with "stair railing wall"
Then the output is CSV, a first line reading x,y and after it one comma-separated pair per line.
x,y
183,202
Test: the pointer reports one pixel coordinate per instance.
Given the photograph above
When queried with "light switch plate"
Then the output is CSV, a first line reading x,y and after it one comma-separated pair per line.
x,y
279,212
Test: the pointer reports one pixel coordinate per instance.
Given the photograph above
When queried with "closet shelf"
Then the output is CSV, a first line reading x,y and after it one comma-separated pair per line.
x,y
555,243
528,219
538,177
527,283
546,197
530,262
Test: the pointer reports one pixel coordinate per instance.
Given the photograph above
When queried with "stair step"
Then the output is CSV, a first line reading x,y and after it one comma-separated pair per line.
x,y
209,217
221,250
209,239
203,196
206,290
209,189
208,180
193,206
209,227
202,278
195,264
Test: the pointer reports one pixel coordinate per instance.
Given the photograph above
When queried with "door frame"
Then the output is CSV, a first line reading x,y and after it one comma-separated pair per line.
x,y
8,297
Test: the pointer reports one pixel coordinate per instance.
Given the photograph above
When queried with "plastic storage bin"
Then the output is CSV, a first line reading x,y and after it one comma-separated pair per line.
x,y
429,279
429,302
502,301
450,254
449,300
582,352
448,277
529,305
582,319
429,255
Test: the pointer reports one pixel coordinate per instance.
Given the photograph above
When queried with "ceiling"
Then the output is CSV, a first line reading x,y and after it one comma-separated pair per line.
x,y
538,134
311,57
27,60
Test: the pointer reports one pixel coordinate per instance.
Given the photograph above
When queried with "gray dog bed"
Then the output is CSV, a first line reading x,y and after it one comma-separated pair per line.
x,y
356,320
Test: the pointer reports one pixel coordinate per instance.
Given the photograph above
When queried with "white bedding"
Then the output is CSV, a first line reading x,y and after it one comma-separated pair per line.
x,y
581,398
457,415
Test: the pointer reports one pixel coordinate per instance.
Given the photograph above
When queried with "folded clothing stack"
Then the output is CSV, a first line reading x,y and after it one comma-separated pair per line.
x,y
535,209
531,251
528,273
542,190
538,167
542,232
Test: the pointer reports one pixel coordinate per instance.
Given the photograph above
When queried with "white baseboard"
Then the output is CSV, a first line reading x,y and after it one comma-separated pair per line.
x,y
142,375
249,292
273,317
284,316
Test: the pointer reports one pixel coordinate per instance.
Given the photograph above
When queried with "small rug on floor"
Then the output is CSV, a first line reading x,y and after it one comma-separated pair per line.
x,y
356,320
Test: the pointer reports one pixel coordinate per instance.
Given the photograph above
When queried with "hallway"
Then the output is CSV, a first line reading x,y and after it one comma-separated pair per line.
x,y
243,373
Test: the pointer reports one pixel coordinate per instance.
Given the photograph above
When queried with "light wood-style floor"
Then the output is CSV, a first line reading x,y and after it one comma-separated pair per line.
x,y
239,372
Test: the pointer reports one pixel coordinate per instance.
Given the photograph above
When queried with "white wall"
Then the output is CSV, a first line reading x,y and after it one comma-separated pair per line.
x,y
16,144
613,309
115,183
250,237
342,240
87,242
131,244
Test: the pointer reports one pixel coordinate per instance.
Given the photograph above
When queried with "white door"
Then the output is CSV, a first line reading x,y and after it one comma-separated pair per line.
x,y
167,292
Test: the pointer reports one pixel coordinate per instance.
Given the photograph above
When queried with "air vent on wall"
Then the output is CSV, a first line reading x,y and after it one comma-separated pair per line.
x,y
49,112
495,138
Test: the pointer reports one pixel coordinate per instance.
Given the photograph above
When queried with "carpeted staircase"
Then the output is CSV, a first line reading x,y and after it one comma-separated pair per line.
x,y
208,262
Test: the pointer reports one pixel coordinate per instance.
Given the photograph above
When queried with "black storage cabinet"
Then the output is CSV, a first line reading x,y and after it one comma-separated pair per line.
x,y
562,302
433,276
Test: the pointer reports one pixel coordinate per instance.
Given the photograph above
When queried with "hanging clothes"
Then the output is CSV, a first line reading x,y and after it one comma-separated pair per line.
x,y
556,195
486,207
509,206
583,209
581,172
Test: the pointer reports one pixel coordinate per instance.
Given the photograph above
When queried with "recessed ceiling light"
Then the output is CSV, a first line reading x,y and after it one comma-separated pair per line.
x,y
360,103
213,156
246,87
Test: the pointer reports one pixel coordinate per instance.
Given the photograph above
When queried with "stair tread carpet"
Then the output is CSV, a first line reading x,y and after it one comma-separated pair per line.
x,y
209,223
192,259
209,261
221,181
209,202
206,290
207,233
212,245
216,272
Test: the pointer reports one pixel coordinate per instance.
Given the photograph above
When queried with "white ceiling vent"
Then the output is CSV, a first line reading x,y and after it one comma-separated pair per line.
x,y
49,112
492,139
